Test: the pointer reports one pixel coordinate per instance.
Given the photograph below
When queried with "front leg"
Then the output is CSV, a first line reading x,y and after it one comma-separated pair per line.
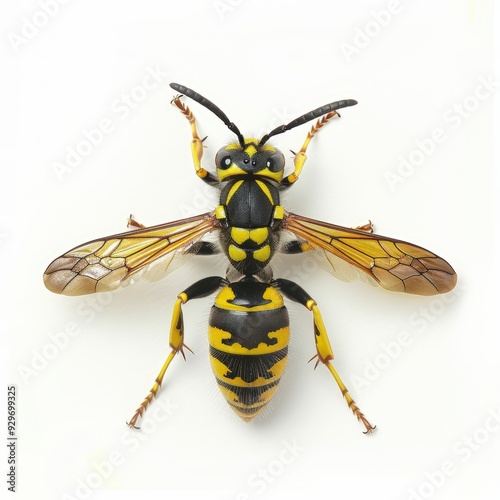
x,y
196,143
301,157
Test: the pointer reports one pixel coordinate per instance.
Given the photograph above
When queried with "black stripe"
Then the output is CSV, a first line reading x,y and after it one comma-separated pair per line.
x,y
249,293
249,207
249,329
248,396
249,368
247,411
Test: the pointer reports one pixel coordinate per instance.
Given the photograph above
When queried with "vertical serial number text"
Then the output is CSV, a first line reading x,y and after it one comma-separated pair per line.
x,y
11,438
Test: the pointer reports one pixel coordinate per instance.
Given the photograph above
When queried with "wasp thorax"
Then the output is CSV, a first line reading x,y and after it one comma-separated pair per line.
x,y
252,159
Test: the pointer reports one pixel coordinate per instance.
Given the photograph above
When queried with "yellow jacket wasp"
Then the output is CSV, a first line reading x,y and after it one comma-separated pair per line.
x,y
248,325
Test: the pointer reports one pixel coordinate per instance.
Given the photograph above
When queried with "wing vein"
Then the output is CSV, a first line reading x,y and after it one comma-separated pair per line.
x,y
394,264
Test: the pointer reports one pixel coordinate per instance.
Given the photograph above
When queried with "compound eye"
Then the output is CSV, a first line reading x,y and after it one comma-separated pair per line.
x,y
273,165
225,163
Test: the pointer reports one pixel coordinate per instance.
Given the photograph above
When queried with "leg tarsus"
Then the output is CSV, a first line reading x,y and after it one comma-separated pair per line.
x,y
317,361
196,143
131,222
367,228
181,350
152,393
350,402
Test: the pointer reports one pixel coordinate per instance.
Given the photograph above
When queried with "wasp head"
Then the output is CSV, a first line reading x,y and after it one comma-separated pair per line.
x,y
250,158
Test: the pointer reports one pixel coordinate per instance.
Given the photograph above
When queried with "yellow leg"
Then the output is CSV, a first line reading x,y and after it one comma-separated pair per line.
x,y
152,392
196,142
177,345
325,355
301,157
350,402
324,351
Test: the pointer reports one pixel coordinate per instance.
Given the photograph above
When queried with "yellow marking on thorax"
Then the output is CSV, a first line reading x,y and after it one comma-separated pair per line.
x,y
220,212
233,190
236,254
279,212
265,190
259,235
262,254
240,235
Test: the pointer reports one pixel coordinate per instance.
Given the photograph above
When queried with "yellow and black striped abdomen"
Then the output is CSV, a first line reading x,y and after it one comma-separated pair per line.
x,y
248,335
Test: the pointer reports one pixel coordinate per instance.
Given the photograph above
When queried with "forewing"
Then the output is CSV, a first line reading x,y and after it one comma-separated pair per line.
x,y
393,264
108,263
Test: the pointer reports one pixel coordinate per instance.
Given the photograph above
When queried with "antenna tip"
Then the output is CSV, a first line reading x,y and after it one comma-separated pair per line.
x,y
178,87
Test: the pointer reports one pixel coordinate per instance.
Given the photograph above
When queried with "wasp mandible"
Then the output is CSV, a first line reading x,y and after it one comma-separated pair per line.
x,y
249,327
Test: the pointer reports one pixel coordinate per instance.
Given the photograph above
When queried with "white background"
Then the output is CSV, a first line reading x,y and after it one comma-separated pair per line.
x,y
262,62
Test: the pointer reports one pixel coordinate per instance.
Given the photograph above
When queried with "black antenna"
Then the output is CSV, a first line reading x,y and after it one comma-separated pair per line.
x,y
212,107
307,117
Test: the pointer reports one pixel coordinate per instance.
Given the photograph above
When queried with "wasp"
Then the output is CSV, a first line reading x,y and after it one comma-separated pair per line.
x,y
249,327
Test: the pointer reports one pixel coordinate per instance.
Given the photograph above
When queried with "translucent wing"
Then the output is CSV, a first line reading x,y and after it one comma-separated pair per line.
x,y
108,263
393,264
